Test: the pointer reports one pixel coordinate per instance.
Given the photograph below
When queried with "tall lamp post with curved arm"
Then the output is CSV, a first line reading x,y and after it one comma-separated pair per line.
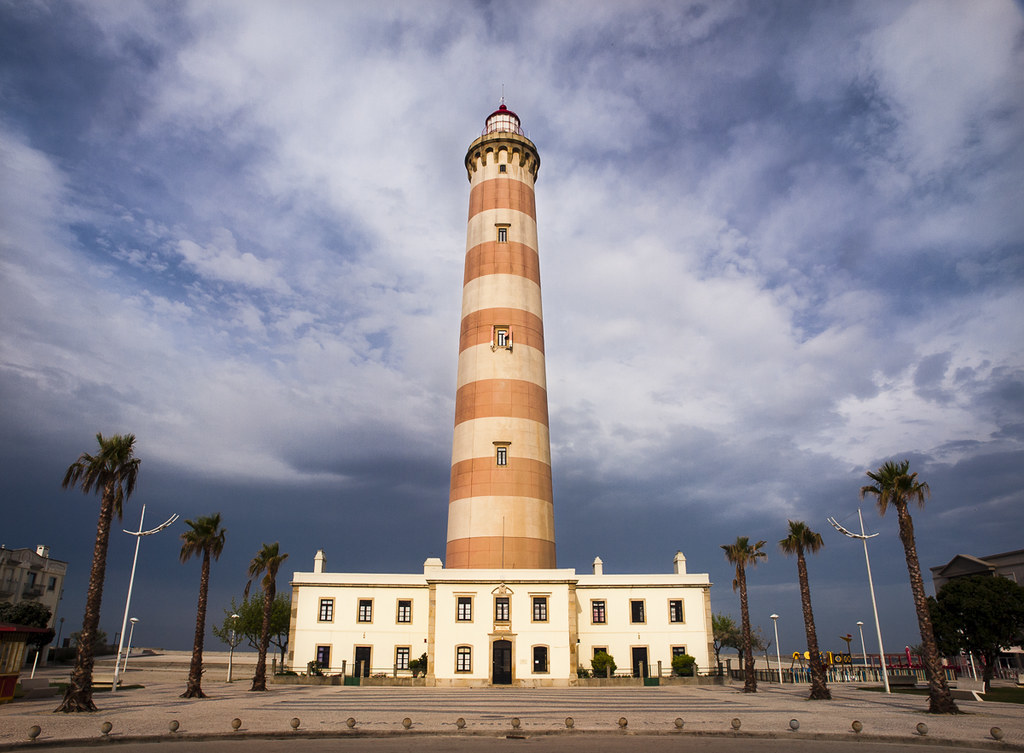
x,y
131,581
878,628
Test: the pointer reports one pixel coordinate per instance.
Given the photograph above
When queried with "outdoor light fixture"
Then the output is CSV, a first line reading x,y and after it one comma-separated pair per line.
x,y
871,585
131,581
778,656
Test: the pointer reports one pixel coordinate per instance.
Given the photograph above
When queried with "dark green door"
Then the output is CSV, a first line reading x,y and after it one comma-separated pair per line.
x,y
362,661
501,665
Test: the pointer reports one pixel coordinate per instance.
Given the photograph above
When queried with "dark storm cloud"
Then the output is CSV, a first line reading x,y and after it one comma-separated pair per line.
x,y
781,244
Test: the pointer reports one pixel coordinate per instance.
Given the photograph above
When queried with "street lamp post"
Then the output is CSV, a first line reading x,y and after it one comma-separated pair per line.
x,y
131,581
231,653
778,656
863,649
871,585
131,634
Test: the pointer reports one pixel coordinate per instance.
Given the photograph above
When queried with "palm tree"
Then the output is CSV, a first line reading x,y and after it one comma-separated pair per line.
x,y
206,537
802,539
895,486
266,562
741,554
111,473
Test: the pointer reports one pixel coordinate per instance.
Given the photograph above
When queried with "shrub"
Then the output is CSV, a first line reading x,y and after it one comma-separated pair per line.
x,y
583,672
683,665
315,669
600,661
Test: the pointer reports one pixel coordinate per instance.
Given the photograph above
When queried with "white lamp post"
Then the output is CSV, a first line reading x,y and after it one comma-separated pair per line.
x,y
778,656
131,633
131,581
863,650
231,653
871,585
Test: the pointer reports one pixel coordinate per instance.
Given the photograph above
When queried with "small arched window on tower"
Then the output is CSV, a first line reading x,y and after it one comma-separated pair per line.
x,y
501,337
501,453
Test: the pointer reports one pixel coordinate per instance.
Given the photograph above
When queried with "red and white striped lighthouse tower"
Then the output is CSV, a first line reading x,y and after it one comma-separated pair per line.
x,y
500,512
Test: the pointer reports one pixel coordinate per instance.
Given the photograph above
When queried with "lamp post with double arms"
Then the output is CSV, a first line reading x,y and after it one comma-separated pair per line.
x,y
871,585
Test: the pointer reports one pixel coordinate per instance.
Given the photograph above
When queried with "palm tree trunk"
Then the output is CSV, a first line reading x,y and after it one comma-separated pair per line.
x,y
940,700
749,678
819,685
259,680
195,671
78,696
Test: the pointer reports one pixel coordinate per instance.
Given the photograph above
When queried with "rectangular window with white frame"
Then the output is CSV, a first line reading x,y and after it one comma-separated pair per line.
x,y
464,608
402,657
540,608
463,659
598,612
326,610
637,613
501,609
365,610
404,611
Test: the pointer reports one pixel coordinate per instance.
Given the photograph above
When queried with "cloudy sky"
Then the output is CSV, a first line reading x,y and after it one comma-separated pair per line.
x,y
781,242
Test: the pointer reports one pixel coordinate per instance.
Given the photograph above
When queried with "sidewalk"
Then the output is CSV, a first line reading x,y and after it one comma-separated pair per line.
x,y
323,711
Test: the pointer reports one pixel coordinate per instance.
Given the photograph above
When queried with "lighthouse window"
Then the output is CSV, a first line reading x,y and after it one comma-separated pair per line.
x,y
501,456
502,235
502,338
502,168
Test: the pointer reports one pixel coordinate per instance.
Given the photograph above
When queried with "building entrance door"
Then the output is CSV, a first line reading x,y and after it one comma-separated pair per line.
x,y
501,664
640,664
362,661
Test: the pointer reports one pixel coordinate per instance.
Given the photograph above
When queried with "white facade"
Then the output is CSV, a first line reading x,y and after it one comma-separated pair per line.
x,y
502,627
30,575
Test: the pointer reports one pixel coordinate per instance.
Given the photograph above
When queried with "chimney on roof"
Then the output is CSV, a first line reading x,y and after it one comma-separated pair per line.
x,y
679,564
319,561
43,551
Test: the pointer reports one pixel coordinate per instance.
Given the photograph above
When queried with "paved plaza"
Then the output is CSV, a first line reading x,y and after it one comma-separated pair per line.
x,y
146,713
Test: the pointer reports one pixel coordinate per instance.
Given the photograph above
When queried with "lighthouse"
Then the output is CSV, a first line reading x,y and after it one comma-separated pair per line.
x,y
500,511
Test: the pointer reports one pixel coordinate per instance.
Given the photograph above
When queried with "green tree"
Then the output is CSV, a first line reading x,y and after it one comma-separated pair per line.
x,y
249,625
725,634
894,486
30,614
265,563
802,539
742,554
205,537
602,664
980,614
111,473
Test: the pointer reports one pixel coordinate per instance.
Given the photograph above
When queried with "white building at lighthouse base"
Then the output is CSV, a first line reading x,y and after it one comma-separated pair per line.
x,y
526,628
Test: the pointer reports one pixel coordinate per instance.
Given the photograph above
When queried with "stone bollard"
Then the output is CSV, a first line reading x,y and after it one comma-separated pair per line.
x,y
623,722
173,725
997,733
735,723
515,722
35,730
105,728
678,722
569,722
407,722
856,726
236,724
460,723
294,722
922,729
794,724
350,723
